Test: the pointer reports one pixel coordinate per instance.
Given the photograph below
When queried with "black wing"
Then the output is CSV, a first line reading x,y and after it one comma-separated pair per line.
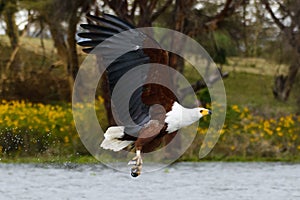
x,y
106,29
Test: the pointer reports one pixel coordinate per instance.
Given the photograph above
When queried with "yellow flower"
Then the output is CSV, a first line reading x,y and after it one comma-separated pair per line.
x,y
270,132
210,144
242,115
100,99
246,110
222,131
266,124
252,139
281,119
294,137
249,117
236,108
66,139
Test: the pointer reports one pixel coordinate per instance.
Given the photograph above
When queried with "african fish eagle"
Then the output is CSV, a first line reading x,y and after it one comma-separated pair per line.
x,y
153,126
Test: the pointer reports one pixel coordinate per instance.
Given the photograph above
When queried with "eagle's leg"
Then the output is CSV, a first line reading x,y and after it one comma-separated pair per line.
x,y
137,162
146,135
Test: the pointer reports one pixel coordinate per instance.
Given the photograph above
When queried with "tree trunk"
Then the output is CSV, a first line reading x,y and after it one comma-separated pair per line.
x,y
13,35
180,13
13,67
283,84
107,100
73,65
66,48
11,26
57,34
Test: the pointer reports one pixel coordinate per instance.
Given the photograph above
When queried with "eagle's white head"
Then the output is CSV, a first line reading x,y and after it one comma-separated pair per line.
x,y
180,116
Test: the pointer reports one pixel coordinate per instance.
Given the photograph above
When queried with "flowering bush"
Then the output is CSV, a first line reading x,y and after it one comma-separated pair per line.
x,y
249,135
27,128
30,129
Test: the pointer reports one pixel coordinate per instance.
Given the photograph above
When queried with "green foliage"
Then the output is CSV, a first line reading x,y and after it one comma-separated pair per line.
x,y
204,97
219,45
225,43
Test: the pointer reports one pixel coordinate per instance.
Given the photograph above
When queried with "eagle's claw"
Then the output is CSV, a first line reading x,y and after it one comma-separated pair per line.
x,y
136,171
137,162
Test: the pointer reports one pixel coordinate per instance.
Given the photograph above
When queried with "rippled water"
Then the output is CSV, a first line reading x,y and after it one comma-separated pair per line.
x,y
224,181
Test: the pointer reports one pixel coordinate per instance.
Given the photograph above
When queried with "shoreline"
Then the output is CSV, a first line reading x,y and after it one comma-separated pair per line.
x,y
91,160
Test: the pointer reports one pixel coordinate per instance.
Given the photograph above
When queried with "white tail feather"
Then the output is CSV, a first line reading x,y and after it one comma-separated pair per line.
x,y
111,139
114,132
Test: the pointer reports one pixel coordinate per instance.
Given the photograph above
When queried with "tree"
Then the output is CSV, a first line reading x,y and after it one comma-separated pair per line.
x,y
14,64
62,18
286,17
70,12
149,10
198,22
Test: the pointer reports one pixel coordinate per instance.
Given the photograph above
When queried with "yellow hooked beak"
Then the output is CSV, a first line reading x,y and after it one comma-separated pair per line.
x,y
205,112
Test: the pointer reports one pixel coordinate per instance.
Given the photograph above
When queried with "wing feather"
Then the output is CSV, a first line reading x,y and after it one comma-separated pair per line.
x,y
107,23
95,35
98,29
105,29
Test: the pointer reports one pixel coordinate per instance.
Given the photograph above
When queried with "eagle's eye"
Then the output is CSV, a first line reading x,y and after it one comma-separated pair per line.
x,y
201,111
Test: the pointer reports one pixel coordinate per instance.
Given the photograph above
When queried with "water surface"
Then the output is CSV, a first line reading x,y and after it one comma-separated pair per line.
x,y
204,180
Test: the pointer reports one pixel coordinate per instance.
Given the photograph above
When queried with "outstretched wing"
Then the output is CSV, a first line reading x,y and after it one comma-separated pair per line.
x,y
106,29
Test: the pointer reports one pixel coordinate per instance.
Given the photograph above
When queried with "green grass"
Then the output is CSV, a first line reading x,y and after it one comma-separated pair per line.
x,y
91,160
255,66
250,83
255,91
51,159
290,159
251,86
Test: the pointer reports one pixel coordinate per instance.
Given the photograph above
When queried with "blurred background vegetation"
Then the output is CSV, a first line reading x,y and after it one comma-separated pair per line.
x,y
256,45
